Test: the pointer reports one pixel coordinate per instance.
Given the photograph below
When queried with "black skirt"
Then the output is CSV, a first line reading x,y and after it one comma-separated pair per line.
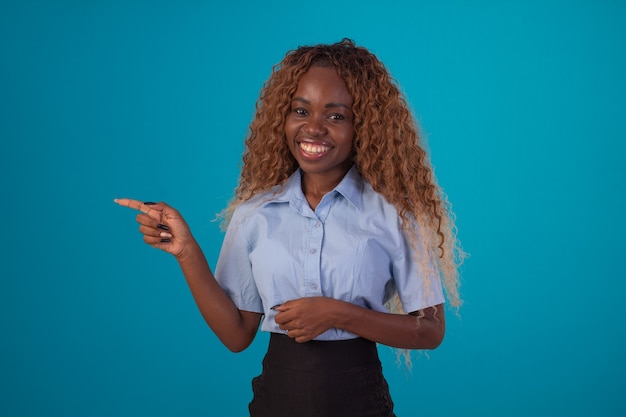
x,y
321,379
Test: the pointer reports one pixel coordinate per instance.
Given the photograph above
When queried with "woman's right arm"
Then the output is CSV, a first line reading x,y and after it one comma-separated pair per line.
x,y
235,328
164,228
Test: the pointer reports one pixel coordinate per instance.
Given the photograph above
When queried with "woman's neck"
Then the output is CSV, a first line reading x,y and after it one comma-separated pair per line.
x,y
316,186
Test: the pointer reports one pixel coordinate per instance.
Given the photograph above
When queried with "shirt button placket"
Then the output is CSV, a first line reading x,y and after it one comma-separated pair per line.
x,y
313,278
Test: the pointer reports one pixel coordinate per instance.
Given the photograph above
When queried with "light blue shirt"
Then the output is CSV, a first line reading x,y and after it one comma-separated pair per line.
x,y
351,248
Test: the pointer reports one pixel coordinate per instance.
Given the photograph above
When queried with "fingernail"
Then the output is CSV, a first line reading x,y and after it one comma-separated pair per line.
x,y
276,306
149,203
162,227
165,240
165,235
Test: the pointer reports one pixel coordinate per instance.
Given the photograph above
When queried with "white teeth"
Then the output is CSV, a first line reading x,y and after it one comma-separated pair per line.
x,y
310,148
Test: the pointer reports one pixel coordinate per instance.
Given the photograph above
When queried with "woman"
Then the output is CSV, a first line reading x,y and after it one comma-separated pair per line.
x,y
337,228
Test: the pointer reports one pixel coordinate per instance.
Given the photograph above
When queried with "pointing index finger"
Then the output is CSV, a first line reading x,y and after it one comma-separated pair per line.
x,y
134,204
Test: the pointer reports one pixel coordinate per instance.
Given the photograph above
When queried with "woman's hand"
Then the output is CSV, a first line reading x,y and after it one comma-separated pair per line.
x,y
161,225
306,318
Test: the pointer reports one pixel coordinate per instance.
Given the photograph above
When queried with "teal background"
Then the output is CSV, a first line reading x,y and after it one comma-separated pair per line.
x,y
523,106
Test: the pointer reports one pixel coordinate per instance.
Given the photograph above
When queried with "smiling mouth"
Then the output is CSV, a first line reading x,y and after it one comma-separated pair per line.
x,y
314,149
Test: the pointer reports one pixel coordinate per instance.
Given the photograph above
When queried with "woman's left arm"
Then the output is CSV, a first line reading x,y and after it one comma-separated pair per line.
x,y
307,318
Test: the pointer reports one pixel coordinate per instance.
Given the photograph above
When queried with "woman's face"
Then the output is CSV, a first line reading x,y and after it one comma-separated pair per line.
x,y
319,127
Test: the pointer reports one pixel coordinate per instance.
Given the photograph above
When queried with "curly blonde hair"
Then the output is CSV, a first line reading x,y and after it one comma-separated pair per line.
x,y
387,150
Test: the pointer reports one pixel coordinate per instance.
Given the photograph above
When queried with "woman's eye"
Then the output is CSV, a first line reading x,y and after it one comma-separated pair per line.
x,y
337,117
299,111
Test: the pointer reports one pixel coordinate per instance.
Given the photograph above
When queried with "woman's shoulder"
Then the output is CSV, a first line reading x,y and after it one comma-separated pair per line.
x,y
375,201
255,203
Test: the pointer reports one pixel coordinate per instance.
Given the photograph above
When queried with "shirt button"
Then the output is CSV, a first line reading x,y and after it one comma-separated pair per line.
x,y
313,251
318,224
314,286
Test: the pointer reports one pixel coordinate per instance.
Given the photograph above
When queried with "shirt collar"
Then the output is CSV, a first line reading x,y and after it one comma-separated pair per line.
x,y
350,187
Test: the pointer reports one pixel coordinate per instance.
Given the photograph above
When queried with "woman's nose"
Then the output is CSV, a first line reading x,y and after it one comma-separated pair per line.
x,y
315,126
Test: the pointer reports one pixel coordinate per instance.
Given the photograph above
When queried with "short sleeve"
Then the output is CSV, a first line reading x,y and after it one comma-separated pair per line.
x,y
234,270
417,287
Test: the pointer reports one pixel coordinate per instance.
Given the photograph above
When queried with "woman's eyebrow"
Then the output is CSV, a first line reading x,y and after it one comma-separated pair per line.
x,y
328,105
